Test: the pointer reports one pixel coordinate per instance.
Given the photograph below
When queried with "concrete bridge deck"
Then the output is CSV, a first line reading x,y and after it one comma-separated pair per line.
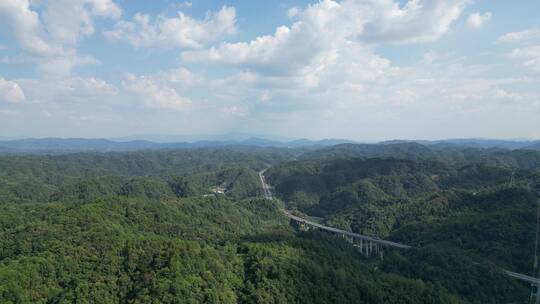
x,y
346,233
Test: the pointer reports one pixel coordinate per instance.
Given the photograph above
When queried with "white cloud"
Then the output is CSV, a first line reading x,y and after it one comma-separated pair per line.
x,y
322,69
59,26
181,31
286,49
477,20
51,34
326,59
66,21
105,8
293,12
416,21
155,95
319,62
526,36
11,92
530,56
328,27
18,19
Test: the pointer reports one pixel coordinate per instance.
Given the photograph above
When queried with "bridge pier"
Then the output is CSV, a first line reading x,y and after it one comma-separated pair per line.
x,y
368,246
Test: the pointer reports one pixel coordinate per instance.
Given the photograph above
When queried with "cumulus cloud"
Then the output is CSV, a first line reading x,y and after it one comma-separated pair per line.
x,y
66,21
182,31
59,26
477,20
155,95
11,92
286,49
326,59
54,32
416,21
329,26
24,24
105,8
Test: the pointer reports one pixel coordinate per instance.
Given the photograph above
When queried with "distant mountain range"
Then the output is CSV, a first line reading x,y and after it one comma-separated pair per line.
x,y
69,145
228,137
481,143
62,145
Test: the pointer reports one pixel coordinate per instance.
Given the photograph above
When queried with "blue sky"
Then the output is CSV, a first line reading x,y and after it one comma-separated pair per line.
x,y
358,69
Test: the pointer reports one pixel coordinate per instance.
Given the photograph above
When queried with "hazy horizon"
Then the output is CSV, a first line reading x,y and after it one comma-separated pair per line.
x,y
176,138
363,70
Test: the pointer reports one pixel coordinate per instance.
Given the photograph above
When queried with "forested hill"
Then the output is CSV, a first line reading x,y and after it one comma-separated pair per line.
x,y
190,226
149,174
482,207
526,158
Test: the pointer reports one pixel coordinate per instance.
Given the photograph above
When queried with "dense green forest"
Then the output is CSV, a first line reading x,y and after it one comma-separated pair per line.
x,y
148,174
488,211
151,227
